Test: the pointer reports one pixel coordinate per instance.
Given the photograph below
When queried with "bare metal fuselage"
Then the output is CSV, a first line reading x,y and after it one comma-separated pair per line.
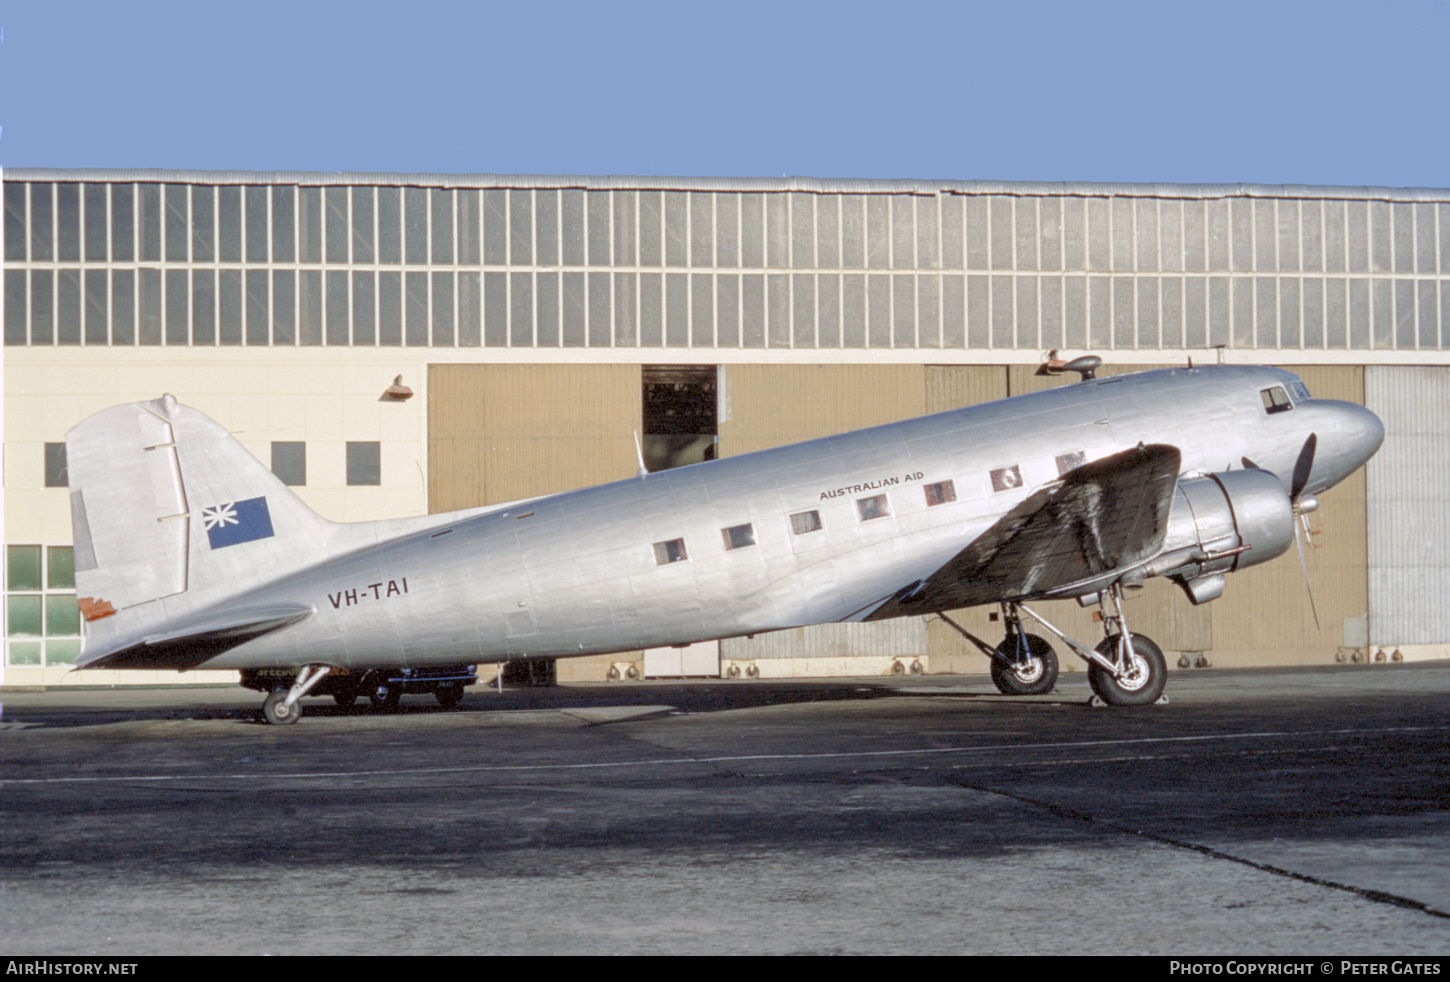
x,y
577,573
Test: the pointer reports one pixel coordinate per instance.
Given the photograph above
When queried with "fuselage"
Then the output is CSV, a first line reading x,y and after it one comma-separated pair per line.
x,y
731,547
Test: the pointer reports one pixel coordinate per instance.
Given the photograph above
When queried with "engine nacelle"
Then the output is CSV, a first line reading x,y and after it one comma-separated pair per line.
x,y
1222,523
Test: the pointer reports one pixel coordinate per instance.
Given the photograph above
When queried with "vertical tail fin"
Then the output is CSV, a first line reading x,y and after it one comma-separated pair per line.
x,y
170,512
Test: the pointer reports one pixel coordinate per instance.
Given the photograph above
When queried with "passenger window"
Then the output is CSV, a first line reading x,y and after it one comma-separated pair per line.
x,y
805,521
1276,400
940,493
1070,461
739,536
874,507
672,551
1007,478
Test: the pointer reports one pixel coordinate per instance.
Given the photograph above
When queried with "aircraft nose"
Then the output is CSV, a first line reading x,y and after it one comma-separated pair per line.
x,y
1364,432
1350,437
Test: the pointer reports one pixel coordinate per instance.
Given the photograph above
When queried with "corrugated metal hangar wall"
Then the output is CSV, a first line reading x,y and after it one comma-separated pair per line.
x,y
539,306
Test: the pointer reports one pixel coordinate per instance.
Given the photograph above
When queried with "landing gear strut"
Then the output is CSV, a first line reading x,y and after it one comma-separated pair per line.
x,y
1023,664
281,707
1125,669
1141,668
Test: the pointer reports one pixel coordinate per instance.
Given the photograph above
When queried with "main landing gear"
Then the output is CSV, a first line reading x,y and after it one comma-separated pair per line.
x,y
1023,664
1125,669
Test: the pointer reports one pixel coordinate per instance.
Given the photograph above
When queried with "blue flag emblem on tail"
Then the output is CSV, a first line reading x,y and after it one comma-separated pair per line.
x,y
237,522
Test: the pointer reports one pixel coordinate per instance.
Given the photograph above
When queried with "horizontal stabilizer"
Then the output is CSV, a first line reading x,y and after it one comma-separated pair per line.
x,y
1105,516
190,644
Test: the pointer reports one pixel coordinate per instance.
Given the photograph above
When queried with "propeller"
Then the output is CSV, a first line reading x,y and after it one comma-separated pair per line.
x,y
1303,467
1303,504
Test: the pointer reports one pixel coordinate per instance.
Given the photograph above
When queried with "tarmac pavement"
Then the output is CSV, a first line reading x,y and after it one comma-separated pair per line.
x,y
1294,811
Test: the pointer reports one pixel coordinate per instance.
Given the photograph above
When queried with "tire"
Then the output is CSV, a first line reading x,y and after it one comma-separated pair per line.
x,y
276,711
346,693
384,696
1035,678
448,694
1142,685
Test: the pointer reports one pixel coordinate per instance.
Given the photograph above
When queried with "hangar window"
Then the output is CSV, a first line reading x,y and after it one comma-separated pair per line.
x,y
289,462
1276,400
739,536
805,521
940,493
672,551
364,464
873,507
55,469
42,621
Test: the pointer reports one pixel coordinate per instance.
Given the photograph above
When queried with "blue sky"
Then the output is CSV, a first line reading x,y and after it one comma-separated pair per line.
x,y
1299,93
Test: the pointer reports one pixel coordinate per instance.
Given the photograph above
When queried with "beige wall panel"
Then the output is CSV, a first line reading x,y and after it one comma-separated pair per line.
x,y
1264,616
772,405
503,432
955,386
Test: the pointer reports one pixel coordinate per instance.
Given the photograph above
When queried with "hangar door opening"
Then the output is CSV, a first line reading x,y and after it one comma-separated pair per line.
x,y
681,414
680,410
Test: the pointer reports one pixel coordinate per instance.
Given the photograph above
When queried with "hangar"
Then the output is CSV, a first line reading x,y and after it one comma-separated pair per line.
x,y
395,344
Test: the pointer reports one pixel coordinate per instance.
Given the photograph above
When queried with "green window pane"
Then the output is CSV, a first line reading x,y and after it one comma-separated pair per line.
x,y
62,652
22,617
23,567
60,568
25,652
62,616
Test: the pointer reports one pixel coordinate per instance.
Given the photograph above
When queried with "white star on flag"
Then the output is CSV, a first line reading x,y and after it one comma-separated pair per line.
x,y
220,516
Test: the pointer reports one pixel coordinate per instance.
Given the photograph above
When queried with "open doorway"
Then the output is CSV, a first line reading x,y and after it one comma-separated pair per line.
x,y
681,417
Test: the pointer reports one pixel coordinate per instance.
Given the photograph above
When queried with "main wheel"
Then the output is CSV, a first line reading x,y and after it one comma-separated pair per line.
x,y
449,694
277,712
1033,677
1141,684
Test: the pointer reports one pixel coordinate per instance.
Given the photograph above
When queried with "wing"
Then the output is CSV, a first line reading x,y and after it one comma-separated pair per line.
x,y
1104,516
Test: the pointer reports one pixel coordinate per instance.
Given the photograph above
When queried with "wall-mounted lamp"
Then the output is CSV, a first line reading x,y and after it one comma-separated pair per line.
x,y
398,391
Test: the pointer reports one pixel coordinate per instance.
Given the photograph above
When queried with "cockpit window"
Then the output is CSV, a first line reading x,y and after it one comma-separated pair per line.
x,y
1276,400
1301,392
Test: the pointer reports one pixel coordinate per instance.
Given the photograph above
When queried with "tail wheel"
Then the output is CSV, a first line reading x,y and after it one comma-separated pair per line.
x,y
276,711
1140,684
448,695
1031,676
